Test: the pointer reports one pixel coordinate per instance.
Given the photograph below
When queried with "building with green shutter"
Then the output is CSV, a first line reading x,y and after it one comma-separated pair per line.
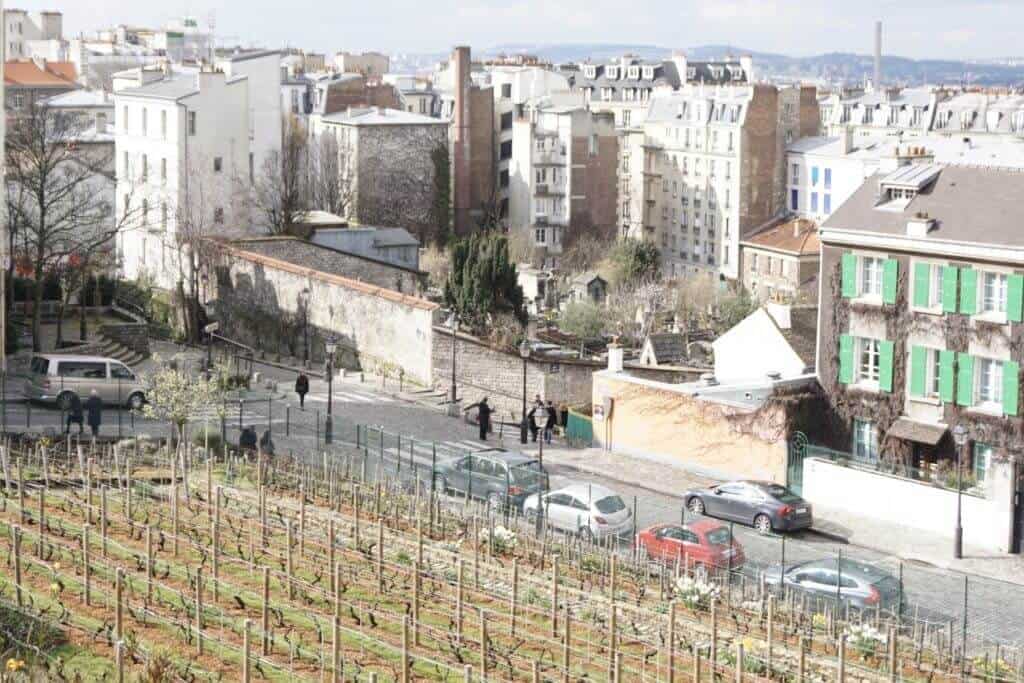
x,y
920,328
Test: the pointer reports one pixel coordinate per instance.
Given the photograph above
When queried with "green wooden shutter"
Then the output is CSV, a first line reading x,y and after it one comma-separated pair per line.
x,y
949,274
918,370
849,275
846,359
922,283
1015,298
886,353
1011,384
968,291
890,280
964,379
947,380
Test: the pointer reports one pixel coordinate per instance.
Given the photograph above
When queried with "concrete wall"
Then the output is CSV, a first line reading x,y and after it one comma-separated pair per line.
x,y
987,521
484,371
663,422
260,298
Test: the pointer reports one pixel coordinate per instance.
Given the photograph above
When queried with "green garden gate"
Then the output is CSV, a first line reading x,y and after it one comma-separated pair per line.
x,y
795,456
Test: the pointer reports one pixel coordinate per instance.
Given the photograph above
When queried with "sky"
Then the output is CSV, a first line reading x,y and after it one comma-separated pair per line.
x,y
943,29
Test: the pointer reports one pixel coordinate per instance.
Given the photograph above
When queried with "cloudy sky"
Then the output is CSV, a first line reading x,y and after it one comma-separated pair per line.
x,y
952,29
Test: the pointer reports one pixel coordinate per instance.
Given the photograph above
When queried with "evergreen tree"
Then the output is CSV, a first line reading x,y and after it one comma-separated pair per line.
x,y
483,283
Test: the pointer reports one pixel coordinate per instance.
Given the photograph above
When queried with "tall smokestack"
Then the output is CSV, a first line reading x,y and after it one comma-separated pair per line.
x,y
878,55
460,63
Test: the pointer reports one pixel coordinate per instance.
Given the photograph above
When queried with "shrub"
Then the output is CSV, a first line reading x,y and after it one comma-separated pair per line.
x,y
583,319
199,440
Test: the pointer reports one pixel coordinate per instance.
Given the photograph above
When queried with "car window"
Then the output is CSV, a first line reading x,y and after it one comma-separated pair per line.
x,y
579,505
118,371
825,577
464,464
689,537
483,467
558,499
527,474
719,536
610,505
782,494
847,582
82,370
731,489
40,366
671,532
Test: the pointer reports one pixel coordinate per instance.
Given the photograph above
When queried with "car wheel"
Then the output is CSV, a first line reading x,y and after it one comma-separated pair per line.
x,y
494,501
136,401
64,401
763,524
696,506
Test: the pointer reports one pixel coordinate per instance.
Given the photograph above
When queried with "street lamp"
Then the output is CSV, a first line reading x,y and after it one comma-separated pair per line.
x,y
209,330
304,302
331,347
453,325
524,351
960,439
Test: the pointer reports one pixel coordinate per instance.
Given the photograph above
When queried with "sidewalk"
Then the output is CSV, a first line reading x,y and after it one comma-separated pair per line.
x,y
671,478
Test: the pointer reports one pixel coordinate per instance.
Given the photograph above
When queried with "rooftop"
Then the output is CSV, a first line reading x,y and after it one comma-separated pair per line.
x,y
973,205
979,151
27,73
378,116
794,236
80,99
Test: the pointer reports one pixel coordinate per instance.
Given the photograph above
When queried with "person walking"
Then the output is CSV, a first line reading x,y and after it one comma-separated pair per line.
x,y
532,419
75,414
94,412
483,417
549,426
302,388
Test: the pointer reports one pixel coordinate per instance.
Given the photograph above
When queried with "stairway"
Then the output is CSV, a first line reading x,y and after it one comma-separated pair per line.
x,y
118,351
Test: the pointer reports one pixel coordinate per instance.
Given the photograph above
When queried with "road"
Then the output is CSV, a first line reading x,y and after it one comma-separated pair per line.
x,y
995,612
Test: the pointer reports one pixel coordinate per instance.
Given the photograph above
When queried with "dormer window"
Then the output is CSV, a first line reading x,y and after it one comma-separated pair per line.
x,y
634,72
590,71
613,72
691,73
649,72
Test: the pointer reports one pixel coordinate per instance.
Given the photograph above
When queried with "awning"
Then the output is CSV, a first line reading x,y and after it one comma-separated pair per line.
x,y
925,433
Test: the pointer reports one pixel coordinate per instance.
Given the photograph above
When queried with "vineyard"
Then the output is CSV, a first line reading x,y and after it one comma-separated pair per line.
x,y
135,563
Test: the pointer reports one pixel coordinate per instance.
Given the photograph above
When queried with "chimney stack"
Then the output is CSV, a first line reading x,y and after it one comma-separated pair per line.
x,y
878,55
460,62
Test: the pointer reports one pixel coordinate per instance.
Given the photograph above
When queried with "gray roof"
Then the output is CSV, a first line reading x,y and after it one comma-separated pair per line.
x,y
166,89
978,205
913,176
393,237
715,72
802,335
665,73
586,277
726,106
378,116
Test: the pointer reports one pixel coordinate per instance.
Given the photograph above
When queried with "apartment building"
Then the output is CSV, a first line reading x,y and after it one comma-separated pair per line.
x,y
30,81
562,174
32,34
706,169
369,64
388,153
622,87
780,262
184,165
922,293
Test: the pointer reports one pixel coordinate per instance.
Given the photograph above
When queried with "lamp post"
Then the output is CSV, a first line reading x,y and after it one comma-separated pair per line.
x,y
331,347
209,330
304,302
453,325
960,439
524,352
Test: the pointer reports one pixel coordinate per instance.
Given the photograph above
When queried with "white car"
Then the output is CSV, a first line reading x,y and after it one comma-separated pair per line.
x,y
586,509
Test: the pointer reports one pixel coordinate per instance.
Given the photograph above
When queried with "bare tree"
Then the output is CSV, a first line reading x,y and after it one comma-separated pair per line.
x,y
60,201
330,181
280,194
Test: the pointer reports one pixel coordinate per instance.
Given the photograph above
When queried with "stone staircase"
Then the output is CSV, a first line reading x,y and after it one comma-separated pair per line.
x,y
114,349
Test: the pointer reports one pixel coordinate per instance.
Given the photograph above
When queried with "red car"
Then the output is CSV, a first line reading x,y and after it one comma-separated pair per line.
x,y
704,542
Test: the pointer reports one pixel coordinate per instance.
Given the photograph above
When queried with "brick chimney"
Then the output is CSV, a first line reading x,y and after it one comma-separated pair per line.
x,y
460,63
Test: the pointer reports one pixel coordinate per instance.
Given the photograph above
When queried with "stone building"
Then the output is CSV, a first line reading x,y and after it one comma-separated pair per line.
x,y
622,87
369,64
387,153
562,175
707,168
780,261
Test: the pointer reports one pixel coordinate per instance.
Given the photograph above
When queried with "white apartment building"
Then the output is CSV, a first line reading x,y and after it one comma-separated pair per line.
x,y
706,168
33,34
562,173
262,72
183,164
369,64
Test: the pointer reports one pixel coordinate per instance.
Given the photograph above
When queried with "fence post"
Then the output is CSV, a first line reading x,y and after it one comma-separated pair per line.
x,y
963,633
246,668
199,611
671,642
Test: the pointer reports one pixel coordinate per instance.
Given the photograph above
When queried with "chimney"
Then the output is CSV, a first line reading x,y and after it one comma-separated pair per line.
x,y
798,227
461,63
846,138
615,362
878,55
920,225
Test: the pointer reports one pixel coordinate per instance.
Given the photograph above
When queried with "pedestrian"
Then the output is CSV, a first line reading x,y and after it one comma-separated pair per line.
x,y
94,410
247,439
483,417
302,388
75,414
549,427
266,442
532,421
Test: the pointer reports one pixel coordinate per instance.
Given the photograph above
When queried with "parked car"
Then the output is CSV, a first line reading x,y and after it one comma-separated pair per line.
x,y
702,543
501,477
54,378
850,582
587,509
764,504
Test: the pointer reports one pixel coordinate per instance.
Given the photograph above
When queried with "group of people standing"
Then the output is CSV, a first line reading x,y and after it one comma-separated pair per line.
x,y
547,414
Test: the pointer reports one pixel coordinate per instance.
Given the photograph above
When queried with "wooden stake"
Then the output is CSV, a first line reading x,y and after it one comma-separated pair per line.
x,y
771,630
458,601
302,521
86,568
617,668
841,676
405,649
612,613
103,520
802,671
289,565
336,670
265,612
16,539
714,633
513,606
246,668
696,663
217,494
567,644
149,564
535,672
739,662
483,645
199,611
893,666
416,604
554,598
672,642
380,554
119,660
42,522
119,605
330,550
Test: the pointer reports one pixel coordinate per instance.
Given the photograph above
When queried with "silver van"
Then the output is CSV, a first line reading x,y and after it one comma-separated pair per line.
x,y
55,377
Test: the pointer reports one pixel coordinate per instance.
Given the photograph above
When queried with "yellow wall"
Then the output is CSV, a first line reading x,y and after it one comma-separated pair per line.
x,y
660,421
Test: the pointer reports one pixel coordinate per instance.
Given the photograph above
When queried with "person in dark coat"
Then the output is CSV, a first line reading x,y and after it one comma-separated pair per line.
x,y
247,439
302,388
549,426
94,412
75,414
483,416
531,418
266,442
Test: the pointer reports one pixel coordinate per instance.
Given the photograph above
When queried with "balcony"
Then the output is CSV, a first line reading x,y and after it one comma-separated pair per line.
x,y
546,190
549,158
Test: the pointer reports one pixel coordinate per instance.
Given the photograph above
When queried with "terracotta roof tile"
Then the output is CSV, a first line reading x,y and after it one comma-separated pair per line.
x,y
28,73
796,236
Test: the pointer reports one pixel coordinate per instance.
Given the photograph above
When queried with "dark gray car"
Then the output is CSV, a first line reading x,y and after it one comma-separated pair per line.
x,y
496,475
765,505
858,584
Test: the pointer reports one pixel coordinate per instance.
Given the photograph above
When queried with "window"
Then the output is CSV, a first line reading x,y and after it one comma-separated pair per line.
x,y
118,371
814,175
828,178
625,117
506,90
218,215
83,370
145,168
868,357
506,121
928,283
192,123
794,200
145,121
865,441
125,167
814,202
870,276
993,295
827,205
540,236
989,382
982,458
506,150
503,179
218,164
795,174
124,115
926,372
